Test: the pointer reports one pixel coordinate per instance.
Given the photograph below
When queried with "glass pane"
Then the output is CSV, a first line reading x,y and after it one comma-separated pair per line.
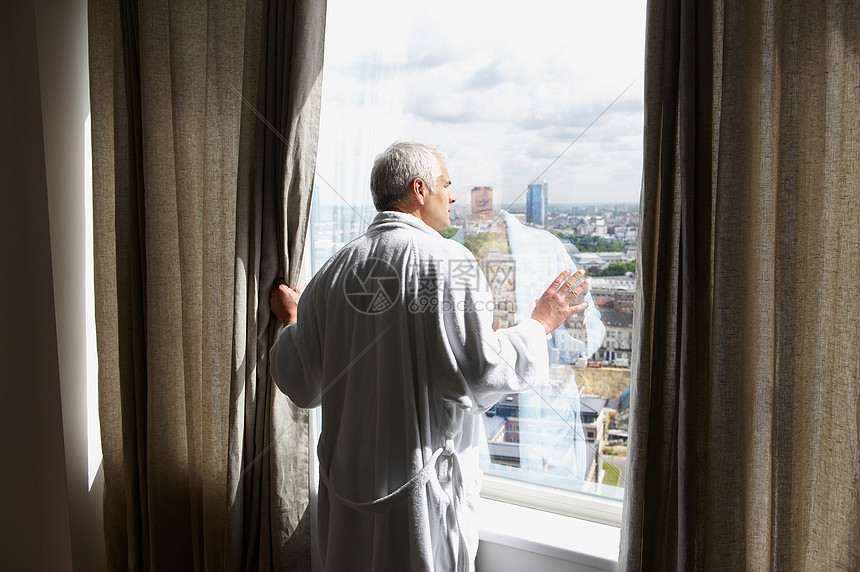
x,y
540,112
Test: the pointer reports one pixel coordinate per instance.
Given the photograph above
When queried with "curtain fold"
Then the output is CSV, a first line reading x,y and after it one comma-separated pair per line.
x,y
204,120
269,453
744,406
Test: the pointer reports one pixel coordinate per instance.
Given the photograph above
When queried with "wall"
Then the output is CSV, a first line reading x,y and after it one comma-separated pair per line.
x,y
64,83
50,519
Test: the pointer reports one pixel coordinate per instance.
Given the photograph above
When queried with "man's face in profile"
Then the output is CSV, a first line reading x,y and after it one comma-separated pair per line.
x,y
437,207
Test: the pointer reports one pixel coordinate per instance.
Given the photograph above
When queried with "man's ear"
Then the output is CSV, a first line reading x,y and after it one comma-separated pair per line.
x,y
420,190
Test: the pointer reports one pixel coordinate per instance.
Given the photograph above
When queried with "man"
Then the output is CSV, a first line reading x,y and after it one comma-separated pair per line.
x,y
393,337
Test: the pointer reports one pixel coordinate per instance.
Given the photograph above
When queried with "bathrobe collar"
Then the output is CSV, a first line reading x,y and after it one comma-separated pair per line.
x,y
397,218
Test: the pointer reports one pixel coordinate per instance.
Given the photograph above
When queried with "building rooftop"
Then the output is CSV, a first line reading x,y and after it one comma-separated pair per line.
x,y
591,403
612,283
610,317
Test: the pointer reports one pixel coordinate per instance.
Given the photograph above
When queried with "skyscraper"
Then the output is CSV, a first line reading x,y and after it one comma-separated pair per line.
x,y
536,202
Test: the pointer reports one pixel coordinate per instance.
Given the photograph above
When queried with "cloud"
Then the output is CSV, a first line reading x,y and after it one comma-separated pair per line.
x,y
427,58
484,78
503,89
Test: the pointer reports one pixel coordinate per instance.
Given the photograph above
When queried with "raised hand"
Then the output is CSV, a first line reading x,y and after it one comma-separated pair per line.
x,y
554,305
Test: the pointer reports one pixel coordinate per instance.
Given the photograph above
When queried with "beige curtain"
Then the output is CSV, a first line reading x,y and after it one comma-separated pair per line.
x,y
204,120
745,402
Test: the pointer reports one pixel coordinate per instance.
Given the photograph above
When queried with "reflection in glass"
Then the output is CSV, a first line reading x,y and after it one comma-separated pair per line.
x,y
538,435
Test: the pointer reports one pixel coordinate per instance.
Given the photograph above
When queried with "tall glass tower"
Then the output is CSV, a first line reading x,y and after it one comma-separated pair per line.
x,y
536,201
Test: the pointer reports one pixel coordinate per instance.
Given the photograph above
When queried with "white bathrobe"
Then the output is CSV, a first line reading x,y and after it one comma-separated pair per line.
x,y
394,338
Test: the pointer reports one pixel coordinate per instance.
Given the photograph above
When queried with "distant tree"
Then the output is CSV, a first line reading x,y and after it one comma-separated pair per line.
x,y
449,232
480,242
619,268
592,243
587,243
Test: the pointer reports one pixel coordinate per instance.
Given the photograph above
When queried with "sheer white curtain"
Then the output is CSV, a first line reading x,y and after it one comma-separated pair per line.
x,y
362,108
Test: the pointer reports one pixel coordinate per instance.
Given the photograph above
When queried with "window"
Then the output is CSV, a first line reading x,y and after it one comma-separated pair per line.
x,y
540,111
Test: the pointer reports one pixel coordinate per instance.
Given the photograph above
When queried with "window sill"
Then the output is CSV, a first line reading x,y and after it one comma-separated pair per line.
x,y
586,544
580,506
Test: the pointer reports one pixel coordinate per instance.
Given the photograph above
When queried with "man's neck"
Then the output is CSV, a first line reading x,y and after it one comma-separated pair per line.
x,y
416,213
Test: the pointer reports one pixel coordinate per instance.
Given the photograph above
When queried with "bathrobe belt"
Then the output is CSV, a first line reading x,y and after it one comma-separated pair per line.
x,y
417,481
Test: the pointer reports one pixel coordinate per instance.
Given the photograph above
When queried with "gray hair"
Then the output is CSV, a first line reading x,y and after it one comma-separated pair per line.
x,y
395,168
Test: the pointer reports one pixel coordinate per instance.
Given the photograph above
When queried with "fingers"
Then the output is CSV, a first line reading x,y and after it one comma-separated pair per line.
x,y
577,309
566,285
283,287
565,281
576,292
572,289
579,290
559,280
570,283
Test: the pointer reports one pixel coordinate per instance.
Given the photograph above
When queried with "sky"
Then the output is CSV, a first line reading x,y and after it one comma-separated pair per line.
x,y
503,88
